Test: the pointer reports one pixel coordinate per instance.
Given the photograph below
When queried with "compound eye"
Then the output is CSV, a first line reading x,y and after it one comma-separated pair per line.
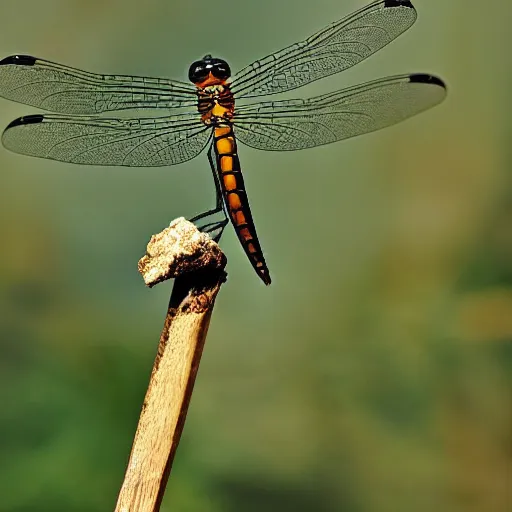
x,y
221,70
197,72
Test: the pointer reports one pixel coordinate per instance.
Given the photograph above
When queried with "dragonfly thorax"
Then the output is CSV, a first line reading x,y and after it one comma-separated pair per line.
x,y
215,90
215,104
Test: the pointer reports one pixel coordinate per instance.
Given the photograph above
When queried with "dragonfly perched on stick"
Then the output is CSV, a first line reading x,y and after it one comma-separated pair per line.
x,y
204,113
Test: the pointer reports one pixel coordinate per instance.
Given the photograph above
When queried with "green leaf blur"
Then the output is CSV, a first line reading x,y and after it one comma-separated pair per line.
x,y
373,375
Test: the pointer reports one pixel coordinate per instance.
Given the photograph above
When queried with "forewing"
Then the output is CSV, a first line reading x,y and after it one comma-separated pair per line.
x,y
337,47
299,124
59,88
95,140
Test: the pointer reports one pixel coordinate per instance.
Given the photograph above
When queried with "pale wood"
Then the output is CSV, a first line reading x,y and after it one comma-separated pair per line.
x,y
172,379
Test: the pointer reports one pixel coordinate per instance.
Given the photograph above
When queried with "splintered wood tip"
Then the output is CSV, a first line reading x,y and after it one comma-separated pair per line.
x,y
179,249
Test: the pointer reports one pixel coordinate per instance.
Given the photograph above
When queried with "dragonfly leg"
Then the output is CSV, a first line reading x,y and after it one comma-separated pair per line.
x,y
214,228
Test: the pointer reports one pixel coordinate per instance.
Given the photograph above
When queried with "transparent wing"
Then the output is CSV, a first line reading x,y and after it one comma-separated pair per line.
x,y
339,46
97,140
299,124
59,88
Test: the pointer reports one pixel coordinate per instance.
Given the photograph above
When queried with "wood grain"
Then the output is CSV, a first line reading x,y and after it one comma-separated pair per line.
x,y
170,388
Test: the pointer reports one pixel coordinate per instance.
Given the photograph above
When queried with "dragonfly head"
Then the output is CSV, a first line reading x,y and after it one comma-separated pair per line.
x,y
209,71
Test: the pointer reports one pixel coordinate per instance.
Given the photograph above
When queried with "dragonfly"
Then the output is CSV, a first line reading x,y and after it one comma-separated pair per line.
x,y
200,114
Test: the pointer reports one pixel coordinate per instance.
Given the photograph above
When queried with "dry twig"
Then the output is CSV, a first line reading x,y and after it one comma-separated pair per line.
x,y
197,262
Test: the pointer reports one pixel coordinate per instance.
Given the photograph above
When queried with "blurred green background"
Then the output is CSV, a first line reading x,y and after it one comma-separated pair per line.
x,y
374,375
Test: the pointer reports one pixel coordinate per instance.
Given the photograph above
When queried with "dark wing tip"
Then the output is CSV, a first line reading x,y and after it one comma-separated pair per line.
x,y
398,3
36,118
422,78
18,60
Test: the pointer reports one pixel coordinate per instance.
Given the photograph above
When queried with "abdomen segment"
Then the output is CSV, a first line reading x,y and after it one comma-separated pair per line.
x,y
235,197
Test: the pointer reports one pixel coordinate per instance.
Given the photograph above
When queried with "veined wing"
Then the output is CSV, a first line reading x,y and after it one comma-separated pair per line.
x,y
59,88
299,124
337,47
95,140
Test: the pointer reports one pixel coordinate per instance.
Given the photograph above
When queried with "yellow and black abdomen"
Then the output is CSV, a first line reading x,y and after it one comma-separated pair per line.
x,y
235,197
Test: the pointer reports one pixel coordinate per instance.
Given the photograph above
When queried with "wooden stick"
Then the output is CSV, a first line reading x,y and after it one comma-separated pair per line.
x,y
199,264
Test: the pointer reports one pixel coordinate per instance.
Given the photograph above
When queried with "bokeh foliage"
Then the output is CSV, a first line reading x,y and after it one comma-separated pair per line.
x,y
374,375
